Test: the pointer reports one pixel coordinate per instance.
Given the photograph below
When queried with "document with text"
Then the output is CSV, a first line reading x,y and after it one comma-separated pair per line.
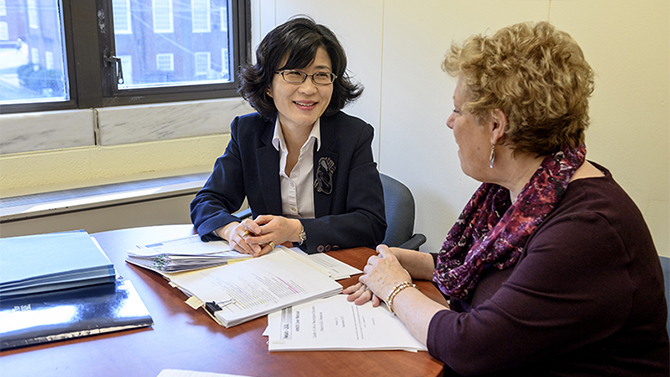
x,y
336,324
240,292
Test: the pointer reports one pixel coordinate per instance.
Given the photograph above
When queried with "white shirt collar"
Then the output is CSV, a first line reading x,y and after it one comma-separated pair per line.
x,y
279,142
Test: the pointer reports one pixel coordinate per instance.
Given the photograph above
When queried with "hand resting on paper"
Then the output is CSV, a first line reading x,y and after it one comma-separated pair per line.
x,y
382,272
258,237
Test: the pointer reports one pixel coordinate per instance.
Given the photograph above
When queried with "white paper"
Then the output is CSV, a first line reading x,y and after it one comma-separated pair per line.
x,y
191,245
190,373
336,269
336,324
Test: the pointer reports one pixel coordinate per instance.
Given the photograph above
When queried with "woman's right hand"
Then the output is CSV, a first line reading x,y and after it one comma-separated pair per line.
x,y
236,233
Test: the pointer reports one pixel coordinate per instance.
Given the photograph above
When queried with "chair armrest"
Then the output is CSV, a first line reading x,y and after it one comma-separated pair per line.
x,y
413,243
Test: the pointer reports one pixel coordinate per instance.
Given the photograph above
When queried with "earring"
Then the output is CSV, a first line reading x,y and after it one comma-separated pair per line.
x,y
493,155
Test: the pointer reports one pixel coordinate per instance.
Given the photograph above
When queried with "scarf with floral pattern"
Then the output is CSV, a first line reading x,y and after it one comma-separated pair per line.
x,y
493,231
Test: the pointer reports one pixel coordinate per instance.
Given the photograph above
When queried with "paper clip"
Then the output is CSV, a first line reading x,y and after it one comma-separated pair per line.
x,y
215,306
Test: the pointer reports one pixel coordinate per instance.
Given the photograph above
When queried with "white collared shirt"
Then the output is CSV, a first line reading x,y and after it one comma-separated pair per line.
x,y
297,190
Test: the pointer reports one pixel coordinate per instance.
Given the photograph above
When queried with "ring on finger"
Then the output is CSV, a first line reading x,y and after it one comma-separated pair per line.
x,y
246,233
272,244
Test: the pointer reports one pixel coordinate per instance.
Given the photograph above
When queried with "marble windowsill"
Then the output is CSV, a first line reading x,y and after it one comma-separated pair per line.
x,y
64,201
30,132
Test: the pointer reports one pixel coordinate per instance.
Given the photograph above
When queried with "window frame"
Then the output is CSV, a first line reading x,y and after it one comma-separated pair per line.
x,y
93,83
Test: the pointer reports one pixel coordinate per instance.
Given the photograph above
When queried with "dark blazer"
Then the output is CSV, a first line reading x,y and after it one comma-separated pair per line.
x,y
352,215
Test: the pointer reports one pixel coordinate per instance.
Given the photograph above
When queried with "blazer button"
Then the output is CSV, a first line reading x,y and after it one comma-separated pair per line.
x,y
327,247
336,247
320,249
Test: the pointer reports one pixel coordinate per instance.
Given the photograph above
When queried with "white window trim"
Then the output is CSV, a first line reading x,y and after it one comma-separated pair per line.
x,y
4,31
223,13
48,60
208,19
3,8
127,16
209,63
170,28
225,60
171,64
33,15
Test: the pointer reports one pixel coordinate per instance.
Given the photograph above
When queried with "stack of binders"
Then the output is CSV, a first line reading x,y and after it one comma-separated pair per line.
x,y
50,262
59,286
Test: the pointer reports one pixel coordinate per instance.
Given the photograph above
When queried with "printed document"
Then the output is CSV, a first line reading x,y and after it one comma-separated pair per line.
x,y
336,324
243,291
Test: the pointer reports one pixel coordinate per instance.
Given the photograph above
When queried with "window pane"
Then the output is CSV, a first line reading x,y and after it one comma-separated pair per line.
x,y
172,43
32,57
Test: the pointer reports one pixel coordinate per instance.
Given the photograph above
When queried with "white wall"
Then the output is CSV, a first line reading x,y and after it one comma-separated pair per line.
x,y
396,47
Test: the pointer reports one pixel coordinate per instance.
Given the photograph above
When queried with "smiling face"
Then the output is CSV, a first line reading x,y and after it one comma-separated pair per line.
x,y
474,140
300,105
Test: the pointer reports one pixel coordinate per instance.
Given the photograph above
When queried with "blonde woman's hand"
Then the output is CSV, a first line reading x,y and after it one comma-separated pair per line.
x,y
382,272
360,294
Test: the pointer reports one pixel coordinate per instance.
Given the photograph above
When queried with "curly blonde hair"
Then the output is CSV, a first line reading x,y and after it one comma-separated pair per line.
x,y
536,75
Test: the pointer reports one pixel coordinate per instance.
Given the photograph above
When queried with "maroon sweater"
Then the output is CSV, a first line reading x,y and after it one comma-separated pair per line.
x,y
586,298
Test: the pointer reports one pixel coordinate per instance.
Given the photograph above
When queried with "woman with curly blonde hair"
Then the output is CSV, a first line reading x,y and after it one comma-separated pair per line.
x,y
550,268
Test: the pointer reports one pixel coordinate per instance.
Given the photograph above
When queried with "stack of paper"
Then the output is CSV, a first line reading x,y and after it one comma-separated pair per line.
x,y
337,324
243,291
49,262
183,254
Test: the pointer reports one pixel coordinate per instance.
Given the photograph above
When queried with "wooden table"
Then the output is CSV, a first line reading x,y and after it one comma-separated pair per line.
x,y
183,338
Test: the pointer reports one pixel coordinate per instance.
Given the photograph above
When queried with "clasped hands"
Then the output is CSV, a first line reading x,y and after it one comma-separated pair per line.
x,y
259,236
382,272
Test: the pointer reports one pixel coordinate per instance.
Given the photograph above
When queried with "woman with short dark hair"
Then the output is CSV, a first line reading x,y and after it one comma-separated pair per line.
x,y
305,167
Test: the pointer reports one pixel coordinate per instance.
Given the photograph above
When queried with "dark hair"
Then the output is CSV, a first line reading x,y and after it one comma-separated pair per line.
x,y
297,42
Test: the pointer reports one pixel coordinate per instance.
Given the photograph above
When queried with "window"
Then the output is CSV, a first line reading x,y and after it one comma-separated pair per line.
x,y
4,31
200,16
224,18
128,69
225,58
3,8
202,63
122,21
35,56
33,21
165,62
152,56
49,60
162,16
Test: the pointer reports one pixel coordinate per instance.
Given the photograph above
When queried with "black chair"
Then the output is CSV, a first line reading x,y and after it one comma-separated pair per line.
x,y
399,206
665,263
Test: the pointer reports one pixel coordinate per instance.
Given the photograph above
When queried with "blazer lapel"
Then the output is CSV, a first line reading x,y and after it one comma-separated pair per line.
x,y
321,200
267,158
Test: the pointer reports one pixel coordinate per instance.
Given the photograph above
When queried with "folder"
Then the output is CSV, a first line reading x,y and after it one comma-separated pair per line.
x,y
71,313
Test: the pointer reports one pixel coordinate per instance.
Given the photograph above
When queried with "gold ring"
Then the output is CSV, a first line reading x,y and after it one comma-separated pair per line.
x,y
246,233
272,244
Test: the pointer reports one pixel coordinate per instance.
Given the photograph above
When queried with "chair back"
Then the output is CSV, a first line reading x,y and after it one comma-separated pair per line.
x,y
665,263
399,207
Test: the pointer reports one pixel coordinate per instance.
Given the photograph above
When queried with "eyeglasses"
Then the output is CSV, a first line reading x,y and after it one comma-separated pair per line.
x,y
293,76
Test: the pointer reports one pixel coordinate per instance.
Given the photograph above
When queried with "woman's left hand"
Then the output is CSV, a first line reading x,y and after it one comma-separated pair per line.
x,y
380,275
